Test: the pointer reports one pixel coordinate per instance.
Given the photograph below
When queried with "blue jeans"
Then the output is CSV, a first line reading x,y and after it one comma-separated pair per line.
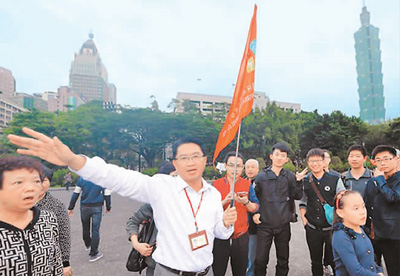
x,y
252,254
91,215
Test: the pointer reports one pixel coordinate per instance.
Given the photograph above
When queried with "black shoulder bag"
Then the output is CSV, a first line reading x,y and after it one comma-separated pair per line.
x,y
136,262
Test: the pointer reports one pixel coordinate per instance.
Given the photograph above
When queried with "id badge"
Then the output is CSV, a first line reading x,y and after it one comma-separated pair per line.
x,y
198,240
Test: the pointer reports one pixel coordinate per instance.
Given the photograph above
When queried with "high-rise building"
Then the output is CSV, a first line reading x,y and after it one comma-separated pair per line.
x,y
369,71
88,77
7,83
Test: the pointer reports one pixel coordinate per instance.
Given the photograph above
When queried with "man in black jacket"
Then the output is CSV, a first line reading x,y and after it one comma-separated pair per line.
x,y
318,229
382,199
276,189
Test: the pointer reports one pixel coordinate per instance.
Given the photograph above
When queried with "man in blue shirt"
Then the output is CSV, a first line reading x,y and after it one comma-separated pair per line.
x,y
92,200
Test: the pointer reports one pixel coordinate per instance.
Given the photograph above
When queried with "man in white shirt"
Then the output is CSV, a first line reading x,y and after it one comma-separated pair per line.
x,y
187,210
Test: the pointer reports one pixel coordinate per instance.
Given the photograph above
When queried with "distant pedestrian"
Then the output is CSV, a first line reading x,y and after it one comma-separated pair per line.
x,y
67,180
92,201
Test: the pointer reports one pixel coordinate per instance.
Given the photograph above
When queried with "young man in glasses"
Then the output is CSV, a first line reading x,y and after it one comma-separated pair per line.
x,y
382,199
187,210
245,201
318,230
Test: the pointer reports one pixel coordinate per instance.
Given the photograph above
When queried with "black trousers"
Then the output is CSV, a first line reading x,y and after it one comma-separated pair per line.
x,y
316,241
390,249
281,238
237,249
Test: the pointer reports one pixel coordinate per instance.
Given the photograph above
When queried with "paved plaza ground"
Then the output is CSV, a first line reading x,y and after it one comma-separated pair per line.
x,y
115,246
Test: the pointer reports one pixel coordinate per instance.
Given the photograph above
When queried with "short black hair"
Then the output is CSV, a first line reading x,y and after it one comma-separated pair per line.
x,y
315,152
233,153
357,147
382,148
283,147
166,167
187,140
48,173
12,163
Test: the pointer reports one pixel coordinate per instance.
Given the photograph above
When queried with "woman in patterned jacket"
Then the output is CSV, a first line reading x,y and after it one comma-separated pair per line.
x,y
28,235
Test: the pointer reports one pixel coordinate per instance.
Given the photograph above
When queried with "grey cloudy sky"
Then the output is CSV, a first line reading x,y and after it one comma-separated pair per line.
x,y
305,48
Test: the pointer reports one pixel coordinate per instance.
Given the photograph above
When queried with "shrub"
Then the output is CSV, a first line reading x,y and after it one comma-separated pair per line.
x,y
211,174
150,171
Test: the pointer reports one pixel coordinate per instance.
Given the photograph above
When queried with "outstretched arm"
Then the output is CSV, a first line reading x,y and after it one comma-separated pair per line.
x,y
50,149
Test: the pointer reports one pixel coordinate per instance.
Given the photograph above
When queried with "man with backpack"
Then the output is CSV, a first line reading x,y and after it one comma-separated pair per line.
x,y
276,189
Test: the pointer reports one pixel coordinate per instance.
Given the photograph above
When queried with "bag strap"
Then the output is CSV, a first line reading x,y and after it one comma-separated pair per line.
x,y
323,201
151,230
148,229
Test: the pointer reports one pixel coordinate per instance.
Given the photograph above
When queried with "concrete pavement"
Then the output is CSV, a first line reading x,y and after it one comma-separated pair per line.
x,y
115,245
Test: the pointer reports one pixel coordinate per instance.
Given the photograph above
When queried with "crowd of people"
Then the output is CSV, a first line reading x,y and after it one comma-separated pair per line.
x,y
351,219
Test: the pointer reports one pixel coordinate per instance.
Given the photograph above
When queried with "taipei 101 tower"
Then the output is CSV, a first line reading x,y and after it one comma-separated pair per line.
x,y
369,71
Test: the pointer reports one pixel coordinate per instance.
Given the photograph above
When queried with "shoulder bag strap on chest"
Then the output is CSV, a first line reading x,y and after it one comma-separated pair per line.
x,y
314,186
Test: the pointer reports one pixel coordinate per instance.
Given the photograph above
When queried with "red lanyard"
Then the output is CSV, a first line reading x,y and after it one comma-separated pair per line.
x,y
191,206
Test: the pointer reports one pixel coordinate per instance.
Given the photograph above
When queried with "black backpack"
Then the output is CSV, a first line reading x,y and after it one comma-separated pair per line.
x,y
136,262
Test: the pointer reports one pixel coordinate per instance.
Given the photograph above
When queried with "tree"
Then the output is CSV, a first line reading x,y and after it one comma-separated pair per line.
x,y
154,103
392,134
336,132
264,128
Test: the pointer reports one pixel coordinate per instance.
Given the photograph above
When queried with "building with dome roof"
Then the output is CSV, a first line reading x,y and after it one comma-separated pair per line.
x,y
88,76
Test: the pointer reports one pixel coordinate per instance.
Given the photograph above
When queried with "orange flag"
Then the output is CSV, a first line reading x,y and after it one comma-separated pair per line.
x,y
243,97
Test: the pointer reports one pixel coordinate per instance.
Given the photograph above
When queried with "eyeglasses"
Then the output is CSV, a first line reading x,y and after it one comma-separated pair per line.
x,y
386,159
195,158
315,161
232,165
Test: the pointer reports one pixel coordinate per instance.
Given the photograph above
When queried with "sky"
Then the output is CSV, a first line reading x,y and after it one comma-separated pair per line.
x,y
305,49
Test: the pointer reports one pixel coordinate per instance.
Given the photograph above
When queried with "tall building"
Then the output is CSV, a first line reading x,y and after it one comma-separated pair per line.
x,y
369,71
7,83
88,77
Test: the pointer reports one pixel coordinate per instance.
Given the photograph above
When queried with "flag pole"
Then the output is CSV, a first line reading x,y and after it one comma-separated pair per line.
x,y
235,168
